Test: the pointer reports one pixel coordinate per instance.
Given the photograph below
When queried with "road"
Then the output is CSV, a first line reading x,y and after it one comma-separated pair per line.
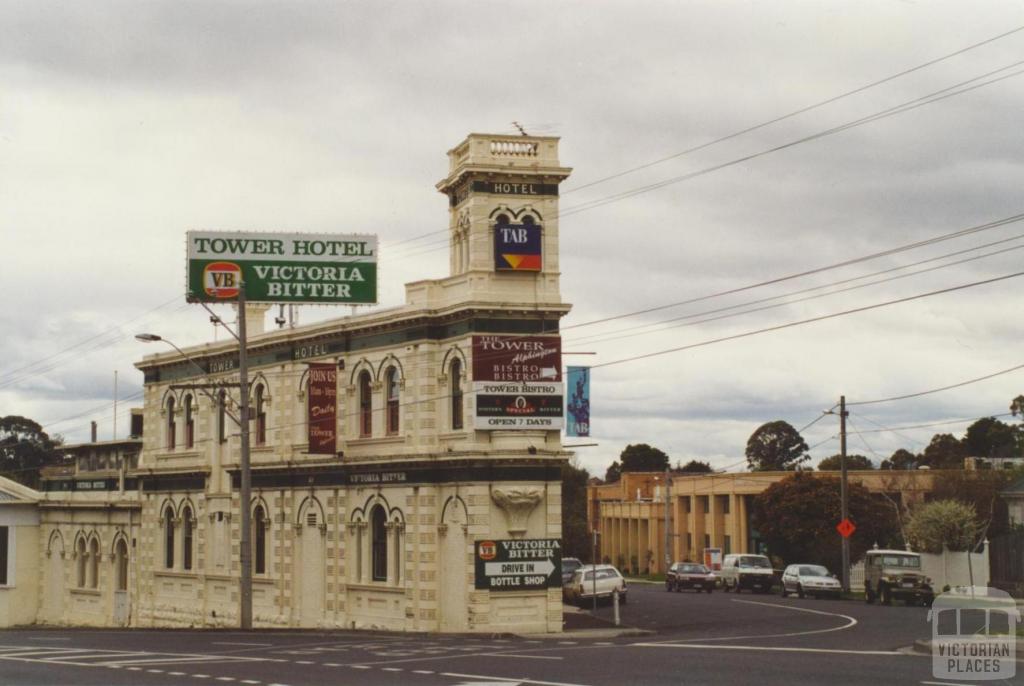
x,y
700,639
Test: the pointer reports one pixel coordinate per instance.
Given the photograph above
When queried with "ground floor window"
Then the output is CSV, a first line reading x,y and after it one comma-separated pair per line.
x,y
4,554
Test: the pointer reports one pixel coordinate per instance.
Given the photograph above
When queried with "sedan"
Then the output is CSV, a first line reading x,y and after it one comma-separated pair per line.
x,y
812,580
689,575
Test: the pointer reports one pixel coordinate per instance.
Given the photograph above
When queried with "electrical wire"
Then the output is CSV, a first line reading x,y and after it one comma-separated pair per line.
x,y
937,390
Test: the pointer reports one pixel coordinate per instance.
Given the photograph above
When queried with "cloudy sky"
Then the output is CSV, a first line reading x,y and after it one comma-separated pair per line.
x,y
122,125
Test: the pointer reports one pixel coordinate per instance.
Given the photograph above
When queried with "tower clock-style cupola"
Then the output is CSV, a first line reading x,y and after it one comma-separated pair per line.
x,y
503,215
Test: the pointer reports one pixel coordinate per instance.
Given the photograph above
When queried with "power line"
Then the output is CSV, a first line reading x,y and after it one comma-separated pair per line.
x,y
943,388
965,420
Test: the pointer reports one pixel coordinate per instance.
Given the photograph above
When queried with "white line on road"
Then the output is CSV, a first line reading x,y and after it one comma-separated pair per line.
x,y
239,643
421,671
528,657
506,679
706,646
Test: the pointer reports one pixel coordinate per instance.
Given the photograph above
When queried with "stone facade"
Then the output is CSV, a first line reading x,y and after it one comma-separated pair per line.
x,y
379,535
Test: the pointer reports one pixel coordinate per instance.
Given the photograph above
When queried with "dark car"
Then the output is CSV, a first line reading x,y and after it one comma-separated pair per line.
x,y
689,575
569,566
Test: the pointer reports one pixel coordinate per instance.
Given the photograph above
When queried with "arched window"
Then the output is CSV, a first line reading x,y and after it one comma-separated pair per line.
x,y
365,406
261,415
391,384
221,416
379,543
94,563
259,540
80,562
190,423
456,393
169,538
170,424
121,562
186,538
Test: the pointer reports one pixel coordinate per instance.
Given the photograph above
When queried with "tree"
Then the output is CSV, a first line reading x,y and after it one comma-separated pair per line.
x,y
901,459
948,523
797,518
980,489
944,452
643,458
853,462
989,437
575,531
695,467
613,473
25,449
776,446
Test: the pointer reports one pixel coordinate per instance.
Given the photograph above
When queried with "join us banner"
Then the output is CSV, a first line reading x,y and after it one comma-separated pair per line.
x,y
578,404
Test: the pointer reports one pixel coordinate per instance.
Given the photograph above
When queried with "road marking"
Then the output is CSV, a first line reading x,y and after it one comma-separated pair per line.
x,y
331,664
772,649
529,657
239,643
421,671
199,676
155,671
304,662
47,638
946,683
392,669
507,680
168,673
358,666
250,681
225,678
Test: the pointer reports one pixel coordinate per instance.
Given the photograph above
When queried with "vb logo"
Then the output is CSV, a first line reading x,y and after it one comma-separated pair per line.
x,y
222,279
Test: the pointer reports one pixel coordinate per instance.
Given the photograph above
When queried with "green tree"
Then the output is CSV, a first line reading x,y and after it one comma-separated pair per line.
x,y
695,467
575,531
613,473
944,452
643,458
797,517
989,437
979,489
775,447
943,522
25,449
853,462
901,459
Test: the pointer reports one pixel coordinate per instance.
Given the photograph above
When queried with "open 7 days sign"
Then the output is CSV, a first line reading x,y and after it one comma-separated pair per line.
x,y
282,267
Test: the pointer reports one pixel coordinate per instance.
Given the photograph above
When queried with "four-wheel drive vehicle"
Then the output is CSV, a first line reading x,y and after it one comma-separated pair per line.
x,y
812,580
896,574
689,575
602,579
569,567
752,572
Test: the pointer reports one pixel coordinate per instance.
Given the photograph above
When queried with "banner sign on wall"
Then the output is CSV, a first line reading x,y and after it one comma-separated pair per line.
x,y
517,358
578,405
517,247
518,405
518,565
282,267
322,417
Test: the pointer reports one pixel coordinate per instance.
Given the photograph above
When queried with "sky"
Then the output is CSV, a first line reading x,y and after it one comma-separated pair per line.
x,y
125,124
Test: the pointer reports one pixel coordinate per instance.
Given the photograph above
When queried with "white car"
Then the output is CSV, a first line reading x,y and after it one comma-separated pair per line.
x,y
747,571
812,580
603,580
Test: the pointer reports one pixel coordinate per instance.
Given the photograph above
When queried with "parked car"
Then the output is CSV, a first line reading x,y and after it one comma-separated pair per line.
x,y
569,567
896,574
602,579
813,580
753,572
689,575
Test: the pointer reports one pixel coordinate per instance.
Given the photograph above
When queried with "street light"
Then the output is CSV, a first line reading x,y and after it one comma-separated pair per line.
x,y
245,489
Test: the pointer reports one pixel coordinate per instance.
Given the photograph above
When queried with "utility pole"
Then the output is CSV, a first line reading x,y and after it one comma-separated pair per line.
x,y
668,523
843,491
245,487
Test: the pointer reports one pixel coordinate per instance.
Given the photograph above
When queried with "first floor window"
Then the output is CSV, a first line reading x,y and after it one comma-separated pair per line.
x,y
379,543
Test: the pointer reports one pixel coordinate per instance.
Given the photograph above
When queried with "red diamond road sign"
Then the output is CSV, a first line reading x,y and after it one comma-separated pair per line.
x,y
845,528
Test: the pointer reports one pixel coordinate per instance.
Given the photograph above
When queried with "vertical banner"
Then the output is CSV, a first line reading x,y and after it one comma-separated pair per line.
x,y
578,405
322,415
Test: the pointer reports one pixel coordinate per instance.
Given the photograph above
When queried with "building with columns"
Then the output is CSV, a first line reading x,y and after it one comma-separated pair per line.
x,y
432,479
703,511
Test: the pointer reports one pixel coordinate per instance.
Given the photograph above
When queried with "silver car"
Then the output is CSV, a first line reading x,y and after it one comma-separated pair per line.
x,y
812,580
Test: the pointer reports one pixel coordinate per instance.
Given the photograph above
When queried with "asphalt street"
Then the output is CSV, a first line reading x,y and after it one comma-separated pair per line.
x,y
698,639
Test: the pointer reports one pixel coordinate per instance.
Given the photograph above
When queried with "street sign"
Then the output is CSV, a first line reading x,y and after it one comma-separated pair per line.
x,y
846,528
518,565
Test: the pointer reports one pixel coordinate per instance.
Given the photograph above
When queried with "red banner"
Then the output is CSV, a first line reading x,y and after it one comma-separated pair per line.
x,y
323,409
517,358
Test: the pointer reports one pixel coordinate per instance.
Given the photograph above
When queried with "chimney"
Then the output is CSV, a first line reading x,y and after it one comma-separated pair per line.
x,y
93,431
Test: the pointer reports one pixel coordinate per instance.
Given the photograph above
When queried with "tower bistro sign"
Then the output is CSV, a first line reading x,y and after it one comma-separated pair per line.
x,y
282,267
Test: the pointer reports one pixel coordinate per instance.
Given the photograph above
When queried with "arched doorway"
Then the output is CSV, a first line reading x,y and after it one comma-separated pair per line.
x,y
122,607
53,601
311,563
453,591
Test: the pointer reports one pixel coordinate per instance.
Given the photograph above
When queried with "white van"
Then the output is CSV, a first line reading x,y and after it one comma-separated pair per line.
x,y
752,572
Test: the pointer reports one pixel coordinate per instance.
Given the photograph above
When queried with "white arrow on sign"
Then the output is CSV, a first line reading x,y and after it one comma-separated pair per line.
x,y
543,567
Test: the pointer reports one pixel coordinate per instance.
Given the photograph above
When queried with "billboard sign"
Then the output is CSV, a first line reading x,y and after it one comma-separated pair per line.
x,y
518,405
578,405
518,565
517,247
282,267
322,415
517,358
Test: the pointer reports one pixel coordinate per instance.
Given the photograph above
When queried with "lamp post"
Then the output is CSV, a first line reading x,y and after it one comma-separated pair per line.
x,y
245,487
